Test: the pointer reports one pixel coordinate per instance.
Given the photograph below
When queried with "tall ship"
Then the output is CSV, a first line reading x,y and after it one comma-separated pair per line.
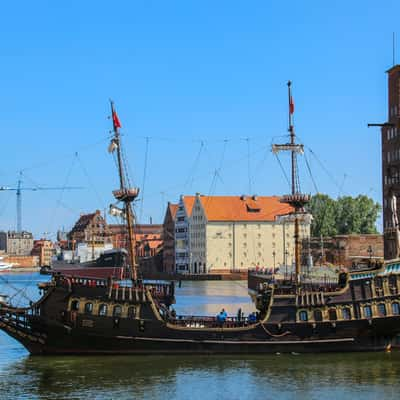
x,y
360,311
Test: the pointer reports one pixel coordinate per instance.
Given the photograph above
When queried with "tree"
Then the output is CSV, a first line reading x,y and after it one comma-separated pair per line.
x,y
343,216
323,210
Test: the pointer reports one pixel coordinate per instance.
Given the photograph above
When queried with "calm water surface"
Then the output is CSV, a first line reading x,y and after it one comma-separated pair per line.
x,y
336,376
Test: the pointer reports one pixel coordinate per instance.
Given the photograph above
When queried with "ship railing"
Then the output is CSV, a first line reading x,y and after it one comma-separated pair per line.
x,y
209,322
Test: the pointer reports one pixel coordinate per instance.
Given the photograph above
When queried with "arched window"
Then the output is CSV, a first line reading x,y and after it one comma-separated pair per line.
x,y
75,305
303,316
88,308
332,314
382,309
117,311
346,313
103,310
367,312
318,315
132,312
395,308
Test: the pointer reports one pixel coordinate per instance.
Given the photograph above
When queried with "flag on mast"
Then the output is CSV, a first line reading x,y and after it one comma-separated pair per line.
x,y
115,118
291,105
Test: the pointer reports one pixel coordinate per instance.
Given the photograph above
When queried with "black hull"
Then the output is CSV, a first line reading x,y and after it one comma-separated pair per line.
x,y
352,336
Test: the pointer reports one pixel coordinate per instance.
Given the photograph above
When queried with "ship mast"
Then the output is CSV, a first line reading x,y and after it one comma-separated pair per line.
x,y
296,199
125,194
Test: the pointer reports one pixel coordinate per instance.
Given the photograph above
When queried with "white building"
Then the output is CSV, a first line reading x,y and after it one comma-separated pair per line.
x,y
182,246
230,233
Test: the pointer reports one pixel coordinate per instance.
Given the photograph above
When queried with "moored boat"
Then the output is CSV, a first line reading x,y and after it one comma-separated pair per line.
x,y
358,311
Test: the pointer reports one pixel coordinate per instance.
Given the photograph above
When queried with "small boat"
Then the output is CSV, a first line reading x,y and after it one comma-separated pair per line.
x,y
5,266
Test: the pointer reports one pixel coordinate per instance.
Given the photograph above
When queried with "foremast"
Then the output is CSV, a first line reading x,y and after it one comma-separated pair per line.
x,y
296,199
125,194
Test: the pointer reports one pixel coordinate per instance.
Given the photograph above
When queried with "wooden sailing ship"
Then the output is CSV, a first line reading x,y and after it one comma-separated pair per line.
x,y
82,315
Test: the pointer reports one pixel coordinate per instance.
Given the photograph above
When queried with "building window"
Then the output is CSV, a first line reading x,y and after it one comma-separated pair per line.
x,y
332,314
303,316
382,309
346,313
395,308
103,310
88,308
117,311
367,312
317,315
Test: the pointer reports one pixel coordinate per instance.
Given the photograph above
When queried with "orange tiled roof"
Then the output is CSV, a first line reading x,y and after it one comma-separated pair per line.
x,y
173,208
188,201
234,208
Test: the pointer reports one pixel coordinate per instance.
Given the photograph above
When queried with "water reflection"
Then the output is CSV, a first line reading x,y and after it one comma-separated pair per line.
x,y
366,376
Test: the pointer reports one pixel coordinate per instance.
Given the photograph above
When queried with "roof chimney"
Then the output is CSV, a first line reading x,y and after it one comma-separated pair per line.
x,y
243,197
254,197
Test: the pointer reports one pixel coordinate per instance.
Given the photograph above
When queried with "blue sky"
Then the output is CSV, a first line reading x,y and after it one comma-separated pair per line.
x,y
205,82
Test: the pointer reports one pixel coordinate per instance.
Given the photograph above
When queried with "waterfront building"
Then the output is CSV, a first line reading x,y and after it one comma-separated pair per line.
x,y
391,165
16,243
169,238
234,233
91,229
183,255
44,249
346,250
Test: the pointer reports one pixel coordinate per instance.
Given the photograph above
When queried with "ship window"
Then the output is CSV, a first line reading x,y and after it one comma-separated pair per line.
x,y
332,314
75,305
117,311
303,316
317,315
103,310
132,312
367,312
88,308
346,313
395,309
382,309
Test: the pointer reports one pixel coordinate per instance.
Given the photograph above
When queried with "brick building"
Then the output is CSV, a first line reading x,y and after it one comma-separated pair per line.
x,y
391,165
44,249
344,250
91,229
169,238
149,242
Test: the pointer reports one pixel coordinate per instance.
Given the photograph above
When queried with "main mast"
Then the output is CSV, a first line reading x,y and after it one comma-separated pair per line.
x,y
296,199
125,194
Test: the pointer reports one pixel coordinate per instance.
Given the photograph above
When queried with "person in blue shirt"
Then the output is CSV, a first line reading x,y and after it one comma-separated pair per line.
x,y
221,317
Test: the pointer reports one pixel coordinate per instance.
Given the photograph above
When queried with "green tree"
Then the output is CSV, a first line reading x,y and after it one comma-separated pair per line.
x,y
343,216
356,215
323,210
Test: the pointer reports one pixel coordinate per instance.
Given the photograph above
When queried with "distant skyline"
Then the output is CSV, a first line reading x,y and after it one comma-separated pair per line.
x,y
200,89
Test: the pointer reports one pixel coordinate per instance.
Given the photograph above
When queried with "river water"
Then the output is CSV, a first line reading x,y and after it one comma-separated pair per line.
x,y
298,376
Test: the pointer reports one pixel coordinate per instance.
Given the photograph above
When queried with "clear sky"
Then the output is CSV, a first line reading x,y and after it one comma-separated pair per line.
x,y
205,82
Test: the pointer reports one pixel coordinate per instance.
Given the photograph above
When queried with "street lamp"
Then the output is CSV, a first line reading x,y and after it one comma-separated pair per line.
x,y
370,251
286,256
273,255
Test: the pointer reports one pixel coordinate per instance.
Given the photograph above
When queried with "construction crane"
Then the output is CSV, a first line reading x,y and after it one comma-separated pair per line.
x,y
19,190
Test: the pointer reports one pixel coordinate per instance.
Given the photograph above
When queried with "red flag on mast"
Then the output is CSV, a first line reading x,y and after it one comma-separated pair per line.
x,y
115,118
291,105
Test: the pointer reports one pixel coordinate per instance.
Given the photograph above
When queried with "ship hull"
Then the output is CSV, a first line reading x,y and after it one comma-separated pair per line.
x,y
352,336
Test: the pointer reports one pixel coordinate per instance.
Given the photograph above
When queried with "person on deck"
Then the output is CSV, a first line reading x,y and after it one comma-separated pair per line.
x,y
221,317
